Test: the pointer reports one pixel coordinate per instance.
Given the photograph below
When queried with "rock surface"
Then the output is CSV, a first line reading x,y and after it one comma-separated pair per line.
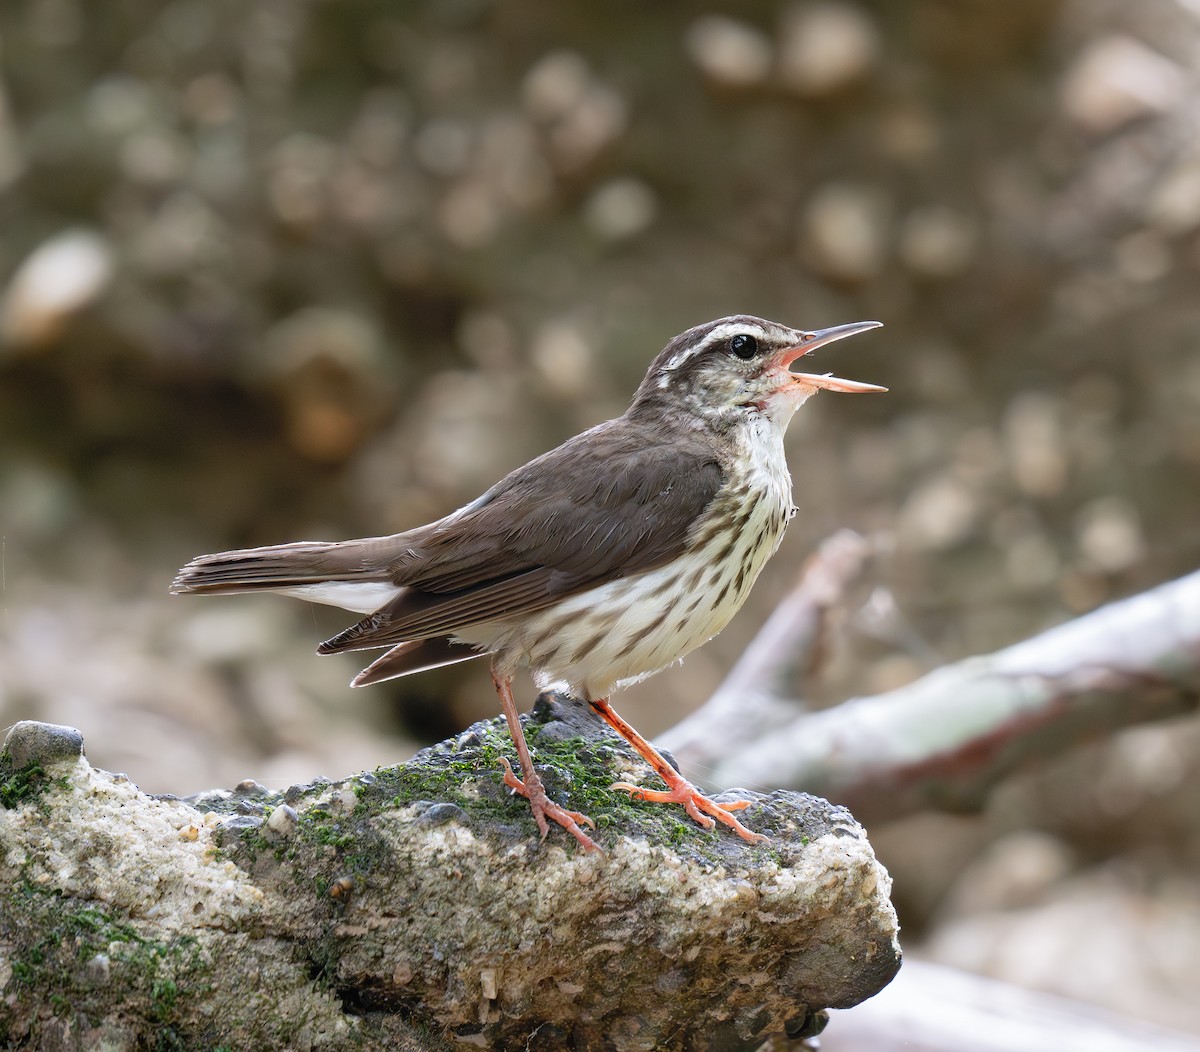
x,y
415,907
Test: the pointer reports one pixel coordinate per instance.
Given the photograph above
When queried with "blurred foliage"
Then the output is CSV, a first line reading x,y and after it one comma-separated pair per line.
x,y
279,269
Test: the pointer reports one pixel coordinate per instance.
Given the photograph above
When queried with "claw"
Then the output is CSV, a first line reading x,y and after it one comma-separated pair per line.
x,y
698,806
543,807
531,788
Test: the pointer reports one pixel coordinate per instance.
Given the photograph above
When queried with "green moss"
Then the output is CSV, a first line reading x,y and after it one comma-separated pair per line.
x,y
578,773
51,967
255,842
333,842
19,786
325,846
320,826
164,992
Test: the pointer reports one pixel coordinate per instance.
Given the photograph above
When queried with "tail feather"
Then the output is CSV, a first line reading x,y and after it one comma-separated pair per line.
x,y
417,655
277,567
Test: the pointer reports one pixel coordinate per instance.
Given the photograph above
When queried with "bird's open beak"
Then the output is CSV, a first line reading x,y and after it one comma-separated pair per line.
x,y
819,338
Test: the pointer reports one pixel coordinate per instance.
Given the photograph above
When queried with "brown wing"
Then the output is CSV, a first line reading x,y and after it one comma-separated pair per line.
x,y
617,500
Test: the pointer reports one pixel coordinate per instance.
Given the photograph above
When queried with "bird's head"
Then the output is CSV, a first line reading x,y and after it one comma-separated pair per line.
x,y
726,369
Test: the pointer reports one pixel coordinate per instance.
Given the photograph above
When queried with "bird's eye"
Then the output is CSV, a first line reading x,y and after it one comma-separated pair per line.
x,y
744,345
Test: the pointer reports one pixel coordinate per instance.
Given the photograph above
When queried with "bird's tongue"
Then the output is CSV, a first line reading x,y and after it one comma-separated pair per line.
x,y
826,381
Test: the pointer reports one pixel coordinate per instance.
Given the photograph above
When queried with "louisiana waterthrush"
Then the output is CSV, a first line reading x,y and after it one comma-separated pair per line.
x,y
595,564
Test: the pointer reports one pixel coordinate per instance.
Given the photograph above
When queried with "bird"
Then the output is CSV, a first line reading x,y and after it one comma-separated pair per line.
x,y
594,565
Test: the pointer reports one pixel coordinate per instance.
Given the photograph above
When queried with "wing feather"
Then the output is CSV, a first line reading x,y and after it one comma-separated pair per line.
x,y
612,502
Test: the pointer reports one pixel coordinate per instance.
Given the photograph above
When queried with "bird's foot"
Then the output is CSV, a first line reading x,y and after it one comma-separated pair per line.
x,y
698,806
544,808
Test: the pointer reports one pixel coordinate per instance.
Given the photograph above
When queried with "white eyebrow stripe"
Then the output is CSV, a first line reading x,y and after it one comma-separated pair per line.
x,y
718,334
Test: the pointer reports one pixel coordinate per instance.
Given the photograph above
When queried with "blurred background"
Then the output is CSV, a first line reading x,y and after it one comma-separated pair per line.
x,y
274,269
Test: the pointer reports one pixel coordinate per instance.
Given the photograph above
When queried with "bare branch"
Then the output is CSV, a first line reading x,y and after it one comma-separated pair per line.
x,y
940,1009
791,647
945,739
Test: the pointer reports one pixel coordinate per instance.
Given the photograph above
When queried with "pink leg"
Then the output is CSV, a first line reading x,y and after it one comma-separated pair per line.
x,y
680,790
531,788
